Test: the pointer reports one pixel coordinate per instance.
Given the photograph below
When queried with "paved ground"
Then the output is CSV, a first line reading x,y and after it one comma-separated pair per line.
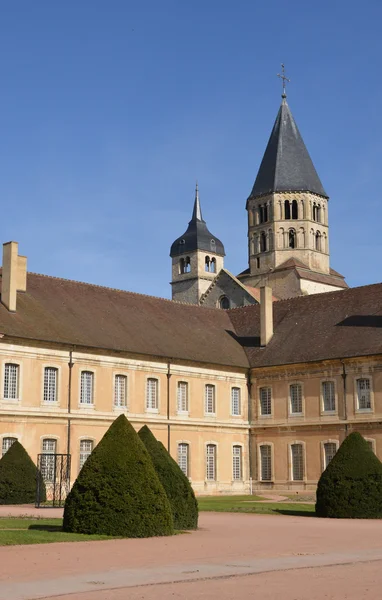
x,y
231,556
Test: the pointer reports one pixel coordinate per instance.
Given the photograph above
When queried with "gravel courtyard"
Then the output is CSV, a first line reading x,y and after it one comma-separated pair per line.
x,y
231,556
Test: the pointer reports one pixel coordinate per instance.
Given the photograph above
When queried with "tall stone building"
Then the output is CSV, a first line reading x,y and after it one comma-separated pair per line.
x,y
288,231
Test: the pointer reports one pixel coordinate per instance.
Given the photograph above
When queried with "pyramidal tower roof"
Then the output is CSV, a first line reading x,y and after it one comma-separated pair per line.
x,y
286,164
197,236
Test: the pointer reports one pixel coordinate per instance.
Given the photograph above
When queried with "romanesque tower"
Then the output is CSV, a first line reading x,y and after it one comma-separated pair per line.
x,y
288,227
197,257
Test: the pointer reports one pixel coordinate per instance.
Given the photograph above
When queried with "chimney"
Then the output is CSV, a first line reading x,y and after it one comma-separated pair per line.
x,y
266,315
14,275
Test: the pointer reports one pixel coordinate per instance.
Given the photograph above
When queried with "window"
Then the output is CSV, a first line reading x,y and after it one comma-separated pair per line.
x,y
292,238
207,264
152,394
263,213
209,399
328,396
237,463
213,265
48,460
297,462
182,396
258,262
316,213
184,265
330,448
318,241
6,444
265,401
294,209
363,394
235,401
120,390
266,462
295,392
50,384
211,462
86,448
263,242
183,457
224,302
87,384
287,209
11,381
370,443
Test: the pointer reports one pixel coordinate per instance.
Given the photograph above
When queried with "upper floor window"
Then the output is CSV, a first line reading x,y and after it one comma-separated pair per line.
x,y
317,213
328,396
363,394
152,394
11,381
209,399
330,449
297,452
263,213
182,396
48,459
287,209
266,462
87,387
294,209
211,462
50,384
265,401
235,401
295,393
120,391
210,265
224,303
263,242
318,241
292,238
86,448
6,444
185,265
183,452
237,461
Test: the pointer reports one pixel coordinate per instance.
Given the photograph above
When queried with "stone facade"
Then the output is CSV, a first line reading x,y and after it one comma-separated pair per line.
x,y
189,285
226,286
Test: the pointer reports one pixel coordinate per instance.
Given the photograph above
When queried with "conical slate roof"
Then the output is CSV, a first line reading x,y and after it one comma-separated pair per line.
x,y
286,164
197,236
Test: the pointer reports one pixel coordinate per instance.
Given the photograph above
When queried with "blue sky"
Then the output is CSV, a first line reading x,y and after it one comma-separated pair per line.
x,y
110,110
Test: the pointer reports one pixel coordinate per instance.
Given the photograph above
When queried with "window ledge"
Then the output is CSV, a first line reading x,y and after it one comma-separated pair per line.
x,y
265,416
54,404
10,400
329,413
120,408
86,406
152,410
183,413
237,416
210,415
364,411
296,414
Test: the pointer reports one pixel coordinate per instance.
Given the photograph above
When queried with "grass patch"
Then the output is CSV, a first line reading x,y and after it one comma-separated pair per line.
x,y
19,531
251,504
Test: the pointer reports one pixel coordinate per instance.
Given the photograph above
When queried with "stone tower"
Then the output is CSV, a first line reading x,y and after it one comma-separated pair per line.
x,y
197,257
288,229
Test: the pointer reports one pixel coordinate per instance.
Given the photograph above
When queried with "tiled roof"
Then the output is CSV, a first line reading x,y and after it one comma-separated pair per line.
x,y
70,312
337,324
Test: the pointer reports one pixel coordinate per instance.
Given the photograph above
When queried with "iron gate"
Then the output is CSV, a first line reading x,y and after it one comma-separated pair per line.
x,y
53,472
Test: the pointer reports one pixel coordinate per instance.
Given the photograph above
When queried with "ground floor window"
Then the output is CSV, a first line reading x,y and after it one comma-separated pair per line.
x,y
86,448
183,457
297,452
237,467
266,462
330,449
6,444
211,462
48,460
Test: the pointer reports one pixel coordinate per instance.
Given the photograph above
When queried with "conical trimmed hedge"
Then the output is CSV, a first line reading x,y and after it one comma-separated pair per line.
x,y
351,485
18,477
117,491
176,485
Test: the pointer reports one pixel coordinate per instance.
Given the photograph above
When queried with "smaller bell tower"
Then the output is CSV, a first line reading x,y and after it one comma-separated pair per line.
x,y
197,257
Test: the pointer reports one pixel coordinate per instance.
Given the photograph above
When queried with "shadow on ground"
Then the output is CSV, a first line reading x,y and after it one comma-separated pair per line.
x,y
45,527
294,513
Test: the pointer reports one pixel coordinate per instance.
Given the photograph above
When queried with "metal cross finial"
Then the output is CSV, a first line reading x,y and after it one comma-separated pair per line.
x,y
284,79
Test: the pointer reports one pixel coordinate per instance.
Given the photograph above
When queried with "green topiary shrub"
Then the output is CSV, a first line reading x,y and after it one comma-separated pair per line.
x,y
18,477
176,485
351,485
117,491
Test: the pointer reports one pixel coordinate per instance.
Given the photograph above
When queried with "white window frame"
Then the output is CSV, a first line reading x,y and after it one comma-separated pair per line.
x,y
119,407
7,436
215,479
260,467
239,412
150,409
81,440
304,477
371,393
296,414
179,409
87,404
323,411
178,456
19,382
259,389
323,455
208,413
241,463
47,466
57,371
373,443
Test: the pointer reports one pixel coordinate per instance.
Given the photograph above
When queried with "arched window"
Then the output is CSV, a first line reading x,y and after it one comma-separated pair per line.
x,y
258,262
263,242
318,241
182,266
187,265
86,448
207,264
183,457
6,444
294,210
213,265
292,238
287,209
224,302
